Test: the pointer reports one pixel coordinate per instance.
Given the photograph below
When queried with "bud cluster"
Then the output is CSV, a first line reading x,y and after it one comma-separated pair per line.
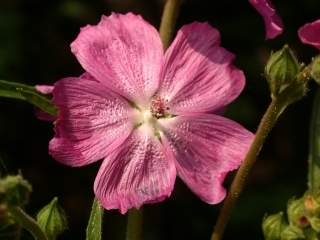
x,y
303,220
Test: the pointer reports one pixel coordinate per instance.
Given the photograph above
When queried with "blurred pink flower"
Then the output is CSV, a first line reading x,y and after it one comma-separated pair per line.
x,y
149,114
272,21
310,33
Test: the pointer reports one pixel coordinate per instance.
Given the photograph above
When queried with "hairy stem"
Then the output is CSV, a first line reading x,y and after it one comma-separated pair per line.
x,y
134,226
269,119
168,21
28,223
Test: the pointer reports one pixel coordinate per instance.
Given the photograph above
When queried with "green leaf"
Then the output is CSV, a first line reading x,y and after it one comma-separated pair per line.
x,y
27,93
314,147
94,228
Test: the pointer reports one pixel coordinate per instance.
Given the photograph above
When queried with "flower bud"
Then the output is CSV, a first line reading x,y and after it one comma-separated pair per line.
x,y
315,69
296,213
273,226
52,219
281,70
292,232
14,191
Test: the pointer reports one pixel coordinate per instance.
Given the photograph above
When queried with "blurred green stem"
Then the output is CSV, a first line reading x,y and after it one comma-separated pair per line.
x,y
134,226
269,119
28,223
168,21
314,147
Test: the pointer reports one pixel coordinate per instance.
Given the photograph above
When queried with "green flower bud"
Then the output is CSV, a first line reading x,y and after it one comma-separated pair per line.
x,y
14,191
273,226
281,70
315,69
52,219
292,233
296,213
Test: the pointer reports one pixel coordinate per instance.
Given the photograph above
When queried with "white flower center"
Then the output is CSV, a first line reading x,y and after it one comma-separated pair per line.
x,y
148,117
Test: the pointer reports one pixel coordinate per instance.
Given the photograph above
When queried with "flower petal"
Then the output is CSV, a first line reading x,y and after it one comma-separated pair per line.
x,y
206,147
272,21
198,75
124,53
140,171
92,121
310,33
44,89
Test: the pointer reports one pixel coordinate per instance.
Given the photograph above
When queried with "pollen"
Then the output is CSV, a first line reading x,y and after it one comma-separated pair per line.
x,y
158,107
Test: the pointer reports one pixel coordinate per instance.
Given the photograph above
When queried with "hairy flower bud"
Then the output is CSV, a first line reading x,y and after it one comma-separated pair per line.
x,y
52,219
281,70
14,190
296,213
273,225
292,232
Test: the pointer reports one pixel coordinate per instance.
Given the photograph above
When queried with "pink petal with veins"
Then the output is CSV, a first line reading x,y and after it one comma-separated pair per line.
x,y
206,147
92,121
124,53
198,75
140,171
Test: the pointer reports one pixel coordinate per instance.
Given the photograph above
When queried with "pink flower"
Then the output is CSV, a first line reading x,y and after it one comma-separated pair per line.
x,y
272,21
310,33
148,114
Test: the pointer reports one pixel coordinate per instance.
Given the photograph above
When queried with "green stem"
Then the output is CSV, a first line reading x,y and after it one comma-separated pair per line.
x,y
168,21
314,148
134,226
28,223
269,119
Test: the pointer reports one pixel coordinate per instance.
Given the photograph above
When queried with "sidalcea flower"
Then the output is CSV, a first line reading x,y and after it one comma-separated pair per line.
x,y
150,115
272,21
310,33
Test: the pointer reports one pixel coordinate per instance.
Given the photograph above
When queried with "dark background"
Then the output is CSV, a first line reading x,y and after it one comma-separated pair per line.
x,y
34,49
